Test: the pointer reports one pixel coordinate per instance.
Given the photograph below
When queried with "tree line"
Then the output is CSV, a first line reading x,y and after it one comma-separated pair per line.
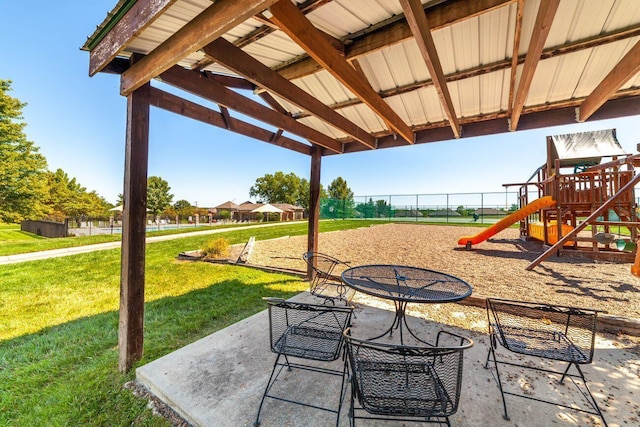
x,y
27,188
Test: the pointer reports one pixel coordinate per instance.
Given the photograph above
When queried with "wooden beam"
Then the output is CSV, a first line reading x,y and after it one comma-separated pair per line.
x,y
273,103
177,105
199,84
544,19
414,13
535,117
198,112
226,117
231,81
313,232
212,23
269,27
131,325
396,31
628,67
300,30
517,33
140,16
256,72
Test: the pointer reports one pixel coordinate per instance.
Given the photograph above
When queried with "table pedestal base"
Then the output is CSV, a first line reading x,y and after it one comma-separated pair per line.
x,y
399,320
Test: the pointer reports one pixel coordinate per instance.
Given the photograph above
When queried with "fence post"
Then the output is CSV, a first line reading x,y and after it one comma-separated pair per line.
x,y
447,211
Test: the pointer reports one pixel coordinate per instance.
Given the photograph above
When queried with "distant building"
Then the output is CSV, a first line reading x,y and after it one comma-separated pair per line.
x,y
444,212
249,211
407,213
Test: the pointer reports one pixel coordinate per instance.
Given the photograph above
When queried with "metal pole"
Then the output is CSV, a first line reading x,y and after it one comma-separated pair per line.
x,y
447,208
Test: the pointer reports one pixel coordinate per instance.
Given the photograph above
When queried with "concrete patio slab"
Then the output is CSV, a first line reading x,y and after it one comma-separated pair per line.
x,y
219,380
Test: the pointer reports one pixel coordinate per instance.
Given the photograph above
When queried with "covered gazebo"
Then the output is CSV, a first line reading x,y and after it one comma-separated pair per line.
x,y
347,76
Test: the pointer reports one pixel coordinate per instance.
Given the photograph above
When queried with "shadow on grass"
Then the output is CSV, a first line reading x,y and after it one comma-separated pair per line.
x,y
67,374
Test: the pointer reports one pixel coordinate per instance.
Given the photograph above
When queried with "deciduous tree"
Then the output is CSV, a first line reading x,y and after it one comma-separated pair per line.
x,y
67,198
338,189
183,208
281,188
22,167
158,196
340,203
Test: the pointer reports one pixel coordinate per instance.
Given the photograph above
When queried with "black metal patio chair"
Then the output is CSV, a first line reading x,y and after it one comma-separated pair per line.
x,y
560,333
405,383
312,333
326,282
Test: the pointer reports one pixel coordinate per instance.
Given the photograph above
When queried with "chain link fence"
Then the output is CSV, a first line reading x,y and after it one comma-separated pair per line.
x,y
447,208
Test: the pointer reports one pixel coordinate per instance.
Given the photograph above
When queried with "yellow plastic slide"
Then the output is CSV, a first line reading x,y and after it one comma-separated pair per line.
x,y
536,205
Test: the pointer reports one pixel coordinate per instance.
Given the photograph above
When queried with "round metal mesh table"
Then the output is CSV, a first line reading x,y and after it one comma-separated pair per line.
x,y
404,284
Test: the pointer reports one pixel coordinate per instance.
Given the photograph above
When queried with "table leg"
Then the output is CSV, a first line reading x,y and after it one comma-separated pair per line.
x,y
399,320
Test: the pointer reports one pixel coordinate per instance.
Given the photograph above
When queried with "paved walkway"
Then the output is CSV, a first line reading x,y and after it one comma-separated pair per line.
x,y
54,253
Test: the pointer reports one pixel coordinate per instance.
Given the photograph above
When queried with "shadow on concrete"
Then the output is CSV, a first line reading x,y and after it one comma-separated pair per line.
x,y
219,380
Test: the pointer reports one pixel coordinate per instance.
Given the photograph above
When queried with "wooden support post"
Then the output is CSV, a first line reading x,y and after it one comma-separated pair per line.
x,y
130,333
594,215
314,203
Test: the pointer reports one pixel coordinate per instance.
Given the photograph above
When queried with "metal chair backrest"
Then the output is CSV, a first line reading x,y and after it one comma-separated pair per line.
x,y
544,330
323,267
308,331
405,381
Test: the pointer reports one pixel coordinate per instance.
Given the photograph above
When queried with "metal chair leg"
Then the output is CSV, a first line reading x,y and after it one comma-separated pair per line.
x,y
497,378
256,423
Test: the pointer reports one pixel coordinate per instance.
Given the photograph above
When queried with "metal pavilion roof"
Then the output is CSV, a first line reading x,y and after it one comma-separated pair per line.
x,y
576,60
352,75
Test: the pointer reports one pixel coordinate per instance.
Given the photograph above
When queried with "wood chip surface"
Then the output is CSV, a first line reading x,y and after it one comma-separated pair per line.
x,y
494,268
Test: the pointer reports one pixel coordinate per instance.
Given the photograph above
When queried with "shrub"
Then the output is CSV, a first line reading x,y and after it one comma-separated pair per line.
x,y
216,248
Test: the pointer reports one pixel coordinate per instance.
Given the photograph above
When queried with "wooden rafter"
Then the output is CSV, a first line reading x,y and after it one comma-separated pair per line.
x,y
212,23
273,103
269,27
544,19
419,24
253,70
624,103
231,81
549,52
517,33
299,29
396,31
628,66
140,16
260,32
175,104
198,84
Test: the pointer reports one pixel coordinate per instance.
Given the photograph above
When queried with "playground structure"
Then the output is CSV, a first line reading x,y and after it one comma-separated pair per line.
x,y
581,201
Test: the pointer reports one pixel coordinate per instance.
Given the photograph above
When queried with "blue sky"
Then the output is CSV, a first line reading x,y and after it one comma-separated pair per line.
x,y
78,123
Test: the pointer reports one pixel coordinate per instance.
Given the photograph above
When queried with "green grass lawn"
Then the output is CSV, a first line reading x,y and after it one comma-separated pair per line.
x,y
10,233
14,241
59,325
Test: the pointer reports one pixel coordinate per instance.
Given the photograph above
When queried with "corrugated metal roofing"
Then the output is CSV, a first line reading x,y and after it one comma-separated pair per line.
x,y
399,73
